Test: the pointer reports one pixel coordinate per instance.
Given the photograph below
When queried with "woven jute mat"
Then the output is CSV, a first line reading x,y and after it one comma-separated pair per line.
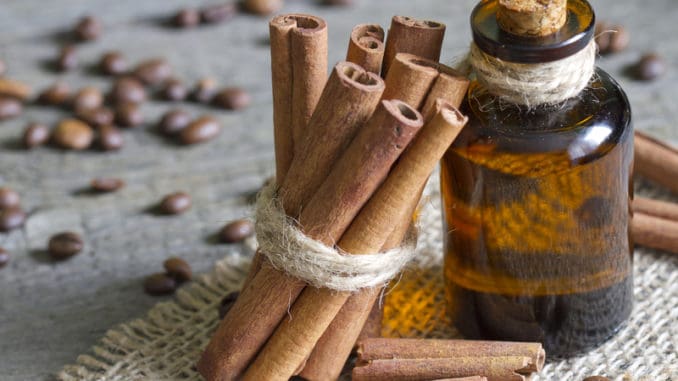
x,y
167,342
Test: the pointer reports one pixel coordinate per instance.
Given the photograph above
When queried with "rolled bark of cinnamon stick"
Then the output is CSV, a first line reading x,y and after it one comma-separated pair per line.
x,y
450,85
656,208
366,47
472,378
349,98
506,368
654,232
656,160
410,79
315,309
423,38
383,348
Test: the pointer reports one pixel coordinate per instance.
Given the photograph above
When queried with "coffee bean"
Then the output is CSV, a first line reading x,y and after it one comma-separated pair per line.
x,y
113,63
73,134
650,66
153,71
4,257
88,97
35,134
218,12
127,90
12,88
262,7
106,184
178,269
88,28
596,378
200,130
56,95
64,245
3,68
9,198
227,302
159,284
186,18
128,115
619,40
236,231
174,121
11,218
10,107
204,90
174,90
233,98
67,59
96,117
175,203
110,138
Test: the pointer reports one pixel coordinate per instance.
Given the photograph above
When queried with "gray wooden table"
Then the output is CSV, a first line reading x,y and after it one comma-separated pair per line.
x,y
51,312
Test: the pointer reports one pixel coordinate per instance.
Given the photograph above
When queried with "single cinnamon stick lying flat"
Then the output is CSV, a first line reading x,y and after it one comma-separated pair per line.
x,y
656,161
423,38
349,98
315,309
366,47
656,208
654,232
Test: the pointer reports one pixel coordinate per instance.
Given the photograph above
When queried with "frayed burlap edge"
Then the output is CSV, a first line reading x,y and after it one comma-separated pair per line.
x,y
166,343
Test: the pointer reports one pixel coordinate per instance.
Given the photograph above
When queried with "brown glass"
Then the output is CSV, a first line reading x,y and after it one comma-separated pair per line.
x,y
536,210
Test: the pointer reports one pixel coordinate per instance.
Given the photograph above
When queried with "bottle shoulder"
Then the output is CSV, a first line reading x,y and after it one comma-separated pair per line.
x,y
583,127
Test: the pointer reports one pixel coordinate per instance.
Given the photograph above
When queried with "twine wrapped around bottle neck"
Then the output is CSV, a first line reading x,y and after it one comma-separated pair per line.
x,y
534,84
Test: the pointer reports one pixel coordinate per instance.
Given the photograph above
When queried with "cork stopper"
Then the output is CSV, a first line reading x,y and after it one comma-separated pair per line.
x,y
531,18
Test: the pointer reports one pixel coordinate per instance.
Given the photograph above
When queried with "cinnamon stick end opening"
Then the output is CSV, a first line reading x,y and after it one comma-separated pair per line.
x,y
358,76
405,113
450,113
303,23
416,23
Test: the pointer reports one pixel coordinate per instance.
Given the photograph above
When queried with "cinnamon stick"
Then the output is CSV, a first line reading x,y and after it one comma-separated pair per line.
x,y
382,348
656,208
656,160
655,232
410,79
472,378
505,368
366,47
298,69
423,38
315,309
450,85
349,98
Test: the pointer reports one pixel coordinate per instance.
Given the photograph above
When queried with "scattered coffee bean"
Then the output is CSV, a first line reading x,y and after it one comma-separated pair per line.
x,y
4,257
153,71
64,245
178,269
10,107
127,90
88,97
262,7
233,98
106,184
11,218
596,378
110,138
174,121
227,302
14,89
56,95
186,18
174,90
218,12
651,66
175,203
113,63
67,59
236,231
35,134
9,198
159,284
204,90
96,117
619,40
128,115
73,134
3,68
200,130
88,28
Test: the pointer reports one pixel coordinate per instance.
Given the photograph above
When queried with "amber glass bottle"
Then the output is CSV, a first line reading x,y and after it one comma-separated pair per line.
x,y
536,203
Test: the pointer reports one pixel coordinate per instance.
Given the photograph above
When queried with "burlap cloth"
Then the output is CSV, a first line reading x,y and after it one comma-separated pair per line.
x,y
166,343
